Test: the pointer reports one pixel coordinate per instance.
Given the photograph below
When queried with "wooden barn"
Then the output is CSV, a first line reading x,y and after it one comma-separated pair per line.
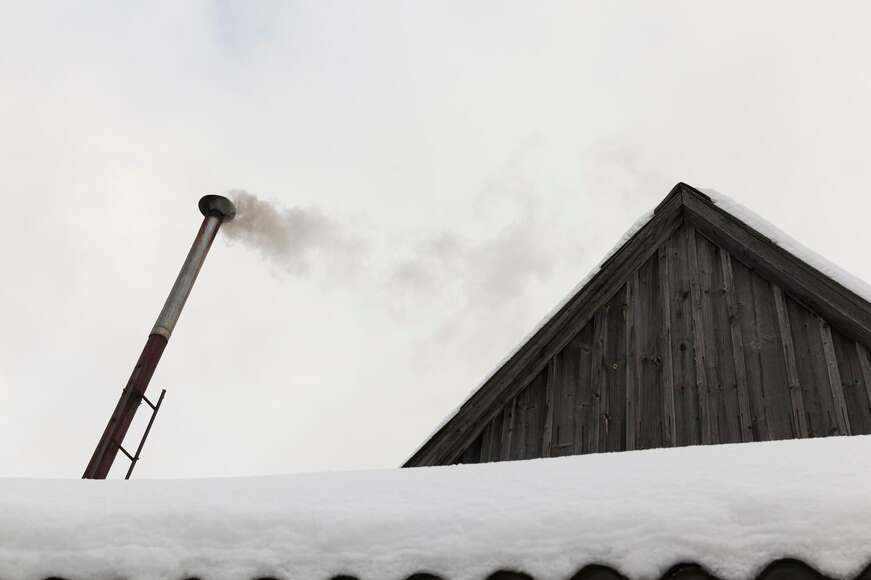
x,y
698,330
705,326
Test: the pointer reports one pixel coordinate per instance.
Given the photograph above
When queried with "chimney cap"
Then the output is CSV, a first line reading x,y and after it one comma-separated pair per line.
x,y
217,205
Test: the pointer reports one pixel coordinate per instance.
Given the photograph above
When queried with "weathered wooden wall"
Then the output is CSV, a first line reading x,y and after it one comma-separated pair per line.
x,y
694,348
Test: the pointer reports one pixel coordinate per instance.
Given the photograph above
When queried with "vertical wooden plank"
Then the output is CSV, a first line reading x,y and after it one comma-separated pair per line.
x,y
612,436
529,417
549,388
706,421
586,403
566,393
742,391
841,414
669,434
751,347
683,363
598,388
709,294
521,425
486,442
649,396
565,379
507,442
519,439
633,367
812,370
572,399
852,383
865,364
725,370
537,417
490,444
472,453
799,413
775,385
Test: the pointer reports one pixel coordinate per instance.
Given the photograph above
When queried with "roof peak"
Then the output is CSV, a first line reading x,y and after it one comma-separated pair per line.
x,y
681,189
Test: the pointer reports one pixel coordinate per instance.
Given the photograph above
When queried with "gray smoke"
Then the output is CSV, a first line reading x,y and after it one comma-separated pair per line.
x,y
527,231
290,237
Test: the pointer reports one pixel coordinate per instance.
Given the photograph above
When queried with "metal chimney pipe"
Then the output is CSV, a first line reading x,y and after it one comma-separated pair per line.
x,y
216,210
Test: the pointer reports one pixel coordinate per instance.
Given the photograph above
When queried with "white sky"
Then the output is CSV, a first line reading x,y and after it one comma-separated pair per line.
x,y
482,156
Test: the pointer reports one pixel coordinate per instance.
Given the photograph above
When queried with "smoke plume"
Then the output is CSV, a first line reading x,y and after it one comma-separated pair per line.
x,y
527,237
289,237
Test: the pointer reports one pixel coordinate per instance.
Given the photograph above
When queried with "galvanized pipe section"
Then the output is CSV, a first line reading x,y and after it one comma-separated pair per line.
x,y
186,277
216,210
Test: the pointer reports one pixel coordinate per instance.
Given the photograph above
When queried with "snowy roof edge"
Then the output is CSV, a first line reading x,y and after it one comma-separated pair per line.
x,y
731,510
792,568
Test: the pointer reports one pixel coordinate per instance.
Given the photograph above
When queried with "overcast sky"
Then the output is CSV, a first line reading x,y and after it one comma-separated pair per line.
x,y
461,165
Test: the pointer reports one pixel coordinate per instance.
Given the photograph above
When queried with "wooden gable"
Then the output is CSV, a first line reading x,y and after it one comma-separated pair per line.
x,y
698,330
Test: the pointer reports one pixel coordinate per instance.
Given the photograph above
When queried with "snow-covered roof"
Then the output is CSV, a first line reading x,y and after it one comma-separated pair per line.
x,y
790,244
731,508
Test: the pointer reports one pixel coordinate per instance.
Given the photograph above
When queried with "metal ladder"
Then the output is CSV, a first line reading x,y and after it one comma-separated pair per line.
x,y
134,458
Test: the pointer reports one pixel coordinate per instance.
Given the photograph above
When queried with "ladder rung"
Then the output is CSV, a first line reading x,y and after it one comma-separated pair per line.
x,y
124,451
154,408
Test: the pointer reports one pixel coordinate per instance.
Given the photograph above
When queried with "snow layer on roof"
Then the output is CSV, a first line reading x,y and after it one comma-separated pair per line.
x,y
785,241
731,508
727,204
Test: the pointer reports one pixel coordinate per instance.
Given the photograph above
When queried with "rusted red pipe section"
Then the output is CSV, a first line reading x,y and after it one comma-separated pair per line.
x,y
216,210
